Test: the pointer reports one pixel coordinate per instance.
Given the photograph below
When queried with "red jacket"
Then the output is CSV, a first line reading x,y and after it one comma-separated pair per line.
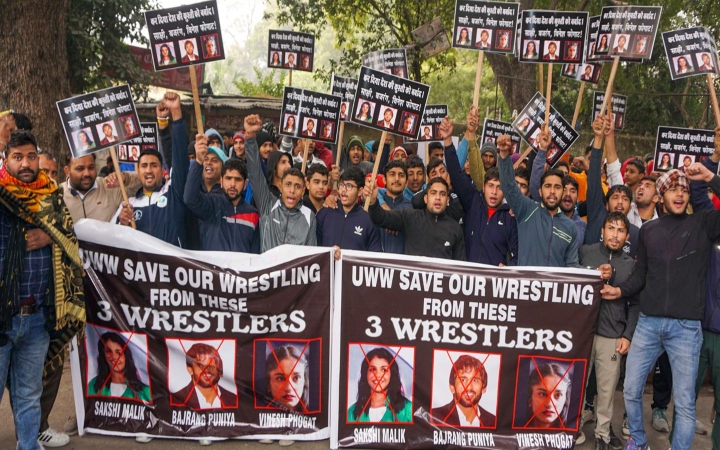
x,y
325,154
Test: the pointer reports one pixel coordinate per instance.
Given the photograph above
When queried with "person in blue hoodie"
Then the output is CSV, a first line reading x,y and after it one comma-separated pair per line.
x,y
227,223
348,226
491,234
158,208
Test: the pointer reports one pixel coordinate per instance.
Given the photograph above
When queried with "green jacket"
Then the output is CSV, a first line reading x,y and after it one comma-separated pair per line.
x,y
142,394
404,415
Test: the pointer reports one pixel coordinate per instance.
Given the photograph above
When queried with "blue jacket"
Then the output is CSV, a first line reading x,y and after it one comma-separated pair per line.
x,y
543,239
394,241
701,202
351,231
491,240
162,215
223,227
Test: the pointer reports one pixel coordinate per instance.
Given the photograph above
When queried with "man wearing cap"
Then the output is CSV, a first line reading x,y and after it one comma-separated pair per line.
x,y
670,277
239,145
227,222
211,157
399,154
488,153
354,152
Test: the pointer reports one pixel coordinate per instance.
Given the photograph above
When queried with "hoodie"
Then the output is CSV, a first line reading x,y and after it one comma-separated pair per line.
x,y
324,154
272,162
365,166
213,132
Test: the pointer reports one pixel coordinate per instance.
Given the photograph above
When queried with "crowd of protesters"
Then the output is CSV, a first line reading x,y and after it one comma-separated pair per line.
x,y
650,235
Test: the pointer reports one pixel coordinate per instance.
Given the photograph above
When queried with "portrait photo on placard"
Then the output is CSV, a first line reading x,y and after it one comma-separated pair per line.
x,y
189,50
210,47
683,65
201,373
364,111
290,60
290,124
408,123
387,117
83,140
503,40
620,46
464,36
426,133
573,50
551,51
483,39
107,132
640,46
380,383
327,128
704,62
664,162
309,127
530,49
166,55
275,59
128,127
117,364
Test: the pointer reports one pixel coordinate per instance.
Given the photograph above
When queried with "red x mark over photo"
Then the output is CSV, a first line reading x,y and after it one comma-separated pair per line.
x,y
465,388
204,369
379,382
288,376
116,361
549,390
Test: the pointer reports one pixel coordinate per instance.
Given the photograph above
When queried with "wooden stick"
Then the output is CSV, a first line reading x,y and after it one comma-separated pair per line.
x,y
578,104
522,157
113,155
341,131
196,100
378,157
713,98
548,93
478,77
290,81
608,96
305,155
540,79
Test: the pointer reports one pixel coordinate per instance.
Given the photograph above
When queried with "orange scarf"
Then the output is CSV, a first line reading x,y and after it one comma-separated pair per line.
x,y
33,194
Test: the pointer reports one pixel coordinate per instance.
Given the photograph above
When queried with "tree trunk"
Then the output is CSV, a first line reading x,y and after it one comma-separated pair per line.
x,y
34,66
517,90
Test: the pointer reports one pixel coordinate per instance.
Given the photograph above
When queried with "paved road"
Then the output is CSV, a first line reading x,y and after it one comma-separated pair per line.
x,y
65,408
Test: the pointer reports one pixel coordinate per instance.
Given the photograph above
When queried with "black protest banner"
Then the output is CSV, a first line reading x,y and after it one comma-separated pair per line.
x,y
487,26
309,114
389,103
677,148
213,345
420,339
627,31
392,61
587,72
99,119
618,108
130,151
185,36
552,36
492,129
690,51
430,123
531,120
345,88
291,50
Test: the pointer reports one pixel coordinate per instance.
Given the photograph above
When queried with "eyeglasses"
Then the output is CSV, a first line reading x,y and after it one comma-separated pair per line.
x,y
346,187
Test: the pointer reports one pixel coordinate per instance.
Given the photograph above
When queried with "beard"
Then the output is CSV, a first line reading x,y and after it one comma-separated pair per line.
x,y
468,403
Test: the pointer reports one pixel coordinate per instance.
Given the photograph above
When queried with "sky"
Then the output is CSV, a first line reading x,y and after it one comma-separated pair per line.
x,y
237,17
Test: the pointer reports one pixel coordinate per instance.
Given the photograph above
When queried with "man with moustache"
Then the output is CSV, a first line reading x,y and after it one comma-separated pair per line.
x,y
468,382
546,237
203,392
394,199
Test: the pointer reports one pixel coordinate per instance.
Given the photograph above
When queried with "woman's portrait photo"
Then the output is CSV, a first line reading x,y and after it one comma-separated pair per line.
x,y
683,65
525,124
210,47
603,45
503,40
364,111
530,49
464,37
83,141
408,122
165,54
128,127
380,383
665,162
287,375
290,127
547,394
117,364
275,60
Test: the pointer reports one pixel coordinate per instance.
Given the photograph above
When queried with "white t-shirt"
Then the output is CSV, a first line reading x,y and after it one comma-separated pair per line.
x,y
376,414
203,403
117,389
463,420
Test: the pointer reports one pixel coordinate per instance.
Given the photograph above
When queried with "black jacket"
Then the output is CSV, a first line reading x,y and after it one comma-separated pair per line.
x,y
671,269
454,209
615,320
188,397
426,234
448,415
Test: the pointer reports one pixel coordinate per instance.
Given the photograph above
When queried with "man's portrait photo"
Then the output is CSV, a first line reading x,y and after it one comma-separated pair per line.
x,y
201,374
387,117
309,127
551,52
704,62
210,47
287,375
128,127
344,107
117,364
621,45
290,60
188,50
483,39
465,389
426,133
587,73
133,154
106,131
